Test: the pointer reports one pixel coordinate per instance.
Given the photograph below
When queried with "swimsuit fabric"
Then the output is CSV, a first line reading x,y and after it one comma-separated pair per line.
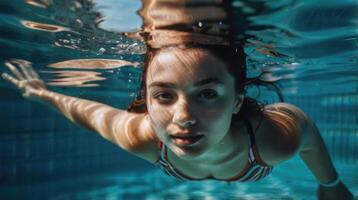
x,y
254,170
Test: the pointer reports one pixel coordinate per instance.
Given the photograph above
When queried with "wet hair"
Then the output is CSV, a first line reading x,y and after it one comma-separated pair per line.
x,y
235,58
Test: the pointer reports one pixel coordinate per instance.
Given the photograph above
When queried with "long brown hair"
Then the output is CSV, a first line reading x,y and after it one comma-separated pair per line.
x,y
235,58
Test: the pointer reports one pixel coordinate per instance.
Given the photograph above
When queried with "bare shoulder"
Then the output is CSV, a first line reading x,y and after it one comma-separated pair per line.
x,y
138,137
280,132
287,110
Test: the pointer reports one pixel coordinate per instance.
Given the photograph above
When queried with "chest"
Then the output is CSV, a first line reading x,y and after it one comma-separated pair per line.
x,y
238,160
233,166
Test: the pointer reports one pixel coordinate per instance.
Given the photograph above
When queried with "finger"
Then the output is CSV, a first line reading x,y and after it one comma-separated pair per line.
x,y
26,68
15,71
25,71
10,78
32,72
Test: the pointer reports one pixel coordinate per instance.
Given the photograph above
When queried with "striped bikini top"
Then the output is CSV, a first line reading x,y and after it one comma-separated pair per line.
x,y
254,170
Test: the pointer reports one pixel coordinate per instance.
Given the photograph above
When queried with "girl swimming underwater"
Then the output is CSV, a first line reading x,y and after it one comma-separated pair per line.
x,y
196,123
193,118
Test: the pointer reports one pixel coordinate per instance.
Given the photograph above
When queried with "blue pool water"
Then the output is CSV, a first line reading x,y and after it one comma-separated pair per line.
x,y
310,46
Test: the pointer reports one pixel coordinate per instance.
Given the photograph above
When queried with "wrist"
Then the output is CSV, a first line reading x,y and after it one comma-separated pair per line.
x,y
35,93
331,183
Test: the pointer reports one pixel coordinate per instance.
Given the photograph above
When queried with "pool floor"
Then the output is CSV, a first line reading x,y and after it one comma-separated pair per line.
x,y
289,181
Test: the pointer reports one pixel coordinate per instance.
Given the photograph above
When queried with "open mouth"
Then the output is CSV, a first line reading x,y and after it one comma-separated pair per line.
x,y
186,140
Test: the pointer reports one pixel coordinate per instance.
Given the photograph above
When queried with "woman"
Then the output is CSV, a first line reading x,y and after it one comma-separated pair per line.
x,y
196,122
193,119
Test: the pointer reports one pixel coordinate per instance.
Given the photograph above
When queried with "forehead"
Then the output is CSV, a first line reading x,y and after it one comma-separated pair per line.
x,y
185,65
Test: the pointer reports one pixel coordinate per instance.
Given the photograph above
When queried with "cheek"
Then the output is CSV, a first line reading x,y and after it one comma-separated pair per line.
x,y
160,116
218,117
218,111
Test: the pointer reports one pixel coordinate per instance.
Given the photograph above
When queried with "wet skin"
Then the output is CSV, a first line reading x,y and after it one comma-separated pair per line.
x,y
191,98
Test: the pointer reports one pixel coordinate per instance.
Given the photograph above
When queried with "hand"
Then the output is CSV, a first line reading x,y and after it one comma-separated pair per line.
x,y
338,192
24,77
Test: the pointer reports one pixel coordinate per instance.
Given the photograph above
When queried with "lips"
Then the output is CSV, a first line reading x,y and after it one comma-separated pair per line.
x,y
187,139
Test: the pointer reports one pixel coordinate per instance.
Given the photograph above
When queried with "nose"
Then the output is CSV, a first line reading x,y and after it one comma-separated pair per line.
x,y
183,116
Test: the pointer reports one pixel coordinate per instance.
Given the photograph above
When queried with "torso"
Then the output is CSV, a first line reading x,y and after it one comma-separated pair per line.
x,y
266,133
230,166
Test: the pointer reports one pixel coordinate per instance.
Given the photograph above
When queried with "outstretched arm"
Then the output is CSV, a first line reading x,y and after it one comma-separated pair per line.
x,y
303,136
130,131
314,153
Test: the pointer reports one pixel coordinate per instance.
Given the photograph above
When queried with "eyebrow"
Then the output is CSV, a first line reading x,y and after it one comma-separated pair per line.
x,y
210,80
207,81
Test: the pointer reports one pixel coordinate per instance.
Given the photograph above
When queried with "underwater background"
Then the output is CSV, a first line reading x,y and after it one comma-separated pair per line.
x,y
309,46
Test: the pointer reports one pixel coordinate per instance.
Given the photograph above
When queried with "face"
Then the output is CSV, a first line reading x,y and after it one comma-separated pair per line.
x,y
190,100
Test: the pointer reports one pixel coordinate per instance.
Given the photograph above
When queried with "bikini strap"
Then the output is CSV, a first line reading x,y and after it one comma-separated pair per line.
x,y
250,132
165,165
253,151
162,161
162,151
159,145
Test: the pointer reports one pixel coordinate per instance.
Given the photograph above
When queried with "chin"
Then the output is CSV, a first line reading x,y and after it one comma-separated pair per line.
x,y
187,153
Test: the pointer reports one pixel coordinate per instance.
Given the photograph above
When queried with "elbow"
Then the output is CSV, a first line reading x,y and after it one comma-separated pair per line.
x,y
311,136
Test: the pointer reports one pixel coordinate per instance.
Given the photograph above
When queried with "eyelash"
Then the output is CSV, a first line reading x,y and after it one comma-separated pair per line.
x,y
159,96
162,97
213,93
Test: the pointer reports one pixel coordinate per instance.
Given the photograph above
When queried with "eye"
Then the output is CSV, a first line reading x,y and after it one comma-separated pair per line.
x,y
208,94
163,97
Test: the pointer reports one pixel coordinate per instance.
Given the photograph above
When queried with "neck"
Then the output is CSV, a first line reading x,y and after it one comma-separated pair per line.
x,y
233,144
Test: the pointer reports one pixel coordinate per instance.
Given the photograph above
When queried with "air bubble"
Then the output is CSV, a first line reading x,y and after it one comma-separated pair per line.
x,y
102,50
